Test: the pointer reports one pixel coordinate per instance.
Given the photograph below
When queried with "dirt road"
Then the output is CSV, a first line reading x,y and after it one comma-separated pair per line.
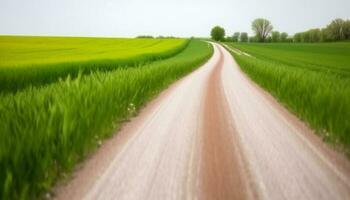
x,y
212,135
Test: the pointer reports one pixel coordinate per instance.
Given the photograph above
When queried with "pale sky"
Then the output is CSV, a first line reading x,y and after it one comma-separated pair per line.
x,y
183,18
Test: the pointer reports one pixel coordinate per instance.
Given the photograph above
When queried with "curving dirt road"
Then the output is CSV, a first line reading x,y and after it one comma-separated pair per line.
x,y
212,135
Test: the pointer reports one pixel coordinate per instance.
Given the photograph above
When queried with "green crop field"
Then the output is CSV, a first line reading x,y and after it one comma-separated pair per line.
x,y
26,61
17,51
46,130
312,80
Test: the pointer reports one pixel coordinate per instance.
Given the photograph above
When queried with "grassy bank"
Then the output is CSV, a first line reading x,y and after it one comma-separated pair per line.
x,y
312,80
33,61
45,131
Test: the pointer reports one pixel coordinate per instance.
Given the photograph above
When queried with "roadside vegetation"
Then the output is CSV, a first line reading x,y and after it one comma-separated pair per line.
x,y
312,80
34,61
45,131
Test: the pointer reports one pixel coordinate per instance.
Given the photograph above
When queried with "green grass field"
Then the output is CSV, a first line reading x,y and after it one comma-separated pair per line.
x,y
33,61
312,80
45,131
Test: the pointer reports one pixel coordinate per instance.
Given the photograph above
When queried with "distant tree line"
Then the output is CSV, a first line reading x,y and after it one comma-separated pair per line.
x,y
337,30
158,37
238,37
144,36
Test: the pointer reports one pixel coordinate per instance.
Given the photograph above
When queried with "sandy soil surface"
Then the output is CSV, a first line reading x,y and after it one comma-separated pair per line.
x,y
212,135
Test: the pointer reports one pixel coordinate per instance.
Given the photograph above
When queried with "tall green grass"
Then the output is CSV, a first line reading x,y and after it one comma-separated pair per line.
x,y
45,131
34,61
311,80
